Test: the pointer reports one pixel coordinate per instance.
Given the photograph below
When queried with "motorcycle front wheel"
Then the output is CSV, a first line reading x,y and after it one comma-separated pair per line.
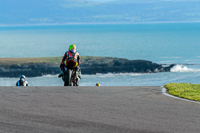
x,y
68,80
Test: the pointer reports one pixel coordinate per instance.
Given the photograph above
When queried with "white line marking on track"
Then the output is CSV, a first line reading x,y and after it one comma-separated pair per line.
x,y
164,92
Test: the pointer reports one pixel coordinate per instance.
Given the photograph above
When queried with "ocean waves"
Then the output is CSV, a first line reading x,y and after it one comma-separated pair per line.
x,y
182,68
176,68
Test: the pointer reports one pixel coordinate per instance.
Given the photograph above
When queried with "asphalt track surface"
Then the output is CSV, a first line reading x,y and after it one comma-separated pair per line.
x,y
95,110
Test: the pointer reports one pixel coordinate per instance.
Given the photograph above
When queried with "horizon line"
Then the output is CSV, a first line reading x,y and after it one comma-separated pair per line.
x,y
99,23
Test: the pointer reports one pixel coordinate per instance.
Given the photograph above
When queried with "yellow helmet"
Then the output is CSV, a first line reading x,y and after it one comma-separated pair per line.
x,y
72,48
98,84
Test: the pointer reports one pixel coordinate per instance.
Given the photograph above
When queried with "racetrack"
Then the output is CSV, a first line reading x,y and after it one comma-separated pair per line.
x,y
95,110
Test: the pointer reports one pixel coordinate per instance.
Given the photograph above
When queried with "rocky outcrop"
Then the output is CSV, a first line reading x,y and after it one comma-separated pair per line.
x,y
30,70
89,65
123,66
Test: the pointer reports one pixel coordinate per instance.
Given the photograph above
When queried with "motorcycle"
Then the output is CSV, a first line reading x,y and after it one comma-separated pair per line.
x,y
70,76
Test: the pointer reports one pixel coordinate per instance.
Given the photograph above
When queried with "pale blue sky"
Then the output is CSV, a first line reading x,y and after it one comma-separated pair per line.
x,y
102,0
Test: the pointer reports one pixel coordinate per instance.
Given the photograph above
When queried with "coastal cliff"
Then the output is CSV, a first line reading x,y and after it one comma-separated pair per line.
x,y
33,67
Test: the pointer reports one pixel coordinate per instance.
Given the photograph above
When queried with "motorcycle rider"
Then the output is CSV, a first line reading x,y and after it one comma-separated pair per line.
x,y
71,54
22,81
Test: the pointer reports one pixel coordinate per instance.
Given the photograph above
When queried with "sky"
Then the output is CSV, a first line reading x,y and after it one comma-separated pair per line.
x,y
102,0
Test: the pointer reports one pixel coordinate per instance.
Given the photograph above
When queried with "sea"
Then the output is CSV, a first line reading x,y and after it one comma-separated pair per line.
x,y
163,43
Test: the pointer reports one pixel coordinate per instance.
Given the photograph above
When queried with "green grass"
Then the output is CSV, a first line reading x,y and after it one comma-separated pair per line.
x,y
19,61
184,90
50,60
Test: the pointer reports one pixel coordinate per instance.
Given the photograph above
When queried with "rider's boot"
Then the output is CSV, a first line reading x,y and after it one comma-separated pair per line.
x,y
79,73
61,74
77,81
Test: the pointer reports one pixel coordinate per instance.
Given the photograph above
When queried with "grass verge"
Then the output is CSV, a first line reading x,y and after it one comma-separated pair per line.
x,y
19,61
50,60
184,90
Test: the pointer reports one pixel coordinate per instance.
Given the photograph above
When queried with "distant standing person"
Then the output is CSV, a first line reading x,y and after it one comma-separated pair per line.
x,y
22,81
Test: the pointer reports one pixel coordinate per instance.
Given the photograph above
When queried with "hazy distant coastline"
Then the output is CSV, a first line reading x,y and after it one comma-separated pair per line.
x,y
100,23
92,11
